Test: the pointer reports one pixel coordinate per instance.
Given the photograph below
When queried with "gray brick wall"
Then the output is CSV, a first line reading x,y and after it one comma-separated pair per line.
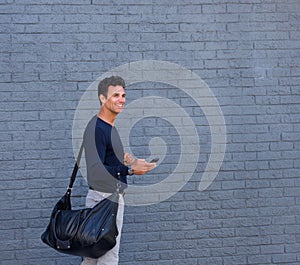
x,y
247,51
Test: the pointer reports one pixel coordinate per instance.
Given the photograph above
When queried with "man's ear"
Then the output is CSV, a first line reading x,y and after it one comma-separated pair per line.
x,y
102,98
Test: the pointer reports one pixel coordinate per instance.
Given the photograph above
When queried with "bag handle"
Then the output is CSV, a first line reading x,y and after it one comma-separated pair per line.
x,y
75,169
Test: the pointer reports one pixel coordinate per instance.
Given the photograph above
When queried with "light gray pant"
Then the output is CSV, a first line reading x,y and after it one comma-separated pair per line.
x,y
111,257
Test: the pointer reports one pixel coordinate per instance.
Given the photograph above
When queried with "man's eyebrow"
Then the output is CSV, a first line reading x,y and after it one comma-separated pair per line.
x,y
118,93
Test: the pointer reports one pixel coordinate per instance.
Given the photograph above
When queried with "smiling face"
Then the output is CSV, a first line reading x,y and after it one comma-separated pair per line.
x,y
115,100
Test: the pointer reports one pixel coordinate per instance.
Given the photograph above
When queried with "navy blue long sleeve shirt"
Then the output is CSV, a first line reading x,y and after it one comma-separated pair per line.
x,y
104,154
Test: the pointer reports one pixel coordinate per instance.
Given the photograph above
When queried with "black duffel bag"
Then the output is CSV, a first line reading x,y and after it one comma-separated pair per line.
x,y
88,232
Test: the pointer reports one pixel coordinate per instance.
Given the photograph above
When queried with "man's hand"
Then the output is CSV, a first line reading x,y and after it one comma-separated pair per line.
x,y
141,166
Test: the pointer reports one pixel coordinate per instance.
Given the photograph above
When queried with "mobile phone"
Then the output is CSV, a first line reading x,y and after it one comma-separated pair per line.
x,y
154,160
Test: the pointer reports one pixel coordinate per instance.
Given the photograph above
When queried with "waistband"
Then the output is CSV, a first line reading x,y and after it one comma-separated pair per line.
x,y
122,192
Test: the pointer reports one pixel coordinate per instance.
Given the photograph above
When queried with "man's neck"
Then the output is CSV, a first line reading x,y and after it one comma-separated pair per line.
x,y
107,117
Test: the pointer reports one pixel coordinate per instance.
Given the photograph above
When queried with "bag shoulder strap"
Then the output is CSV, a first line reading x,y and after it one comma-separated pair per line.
x,y
75,169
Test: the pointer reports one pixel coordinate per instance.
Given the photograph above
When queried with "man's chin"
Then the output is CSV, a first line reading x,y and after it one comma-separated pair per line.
x,y
118,111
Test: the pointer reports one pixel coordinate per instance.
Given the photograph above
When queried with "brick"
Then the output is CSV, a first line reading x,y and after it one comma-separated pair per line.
x,y
278,258
234,260
260,259
204,260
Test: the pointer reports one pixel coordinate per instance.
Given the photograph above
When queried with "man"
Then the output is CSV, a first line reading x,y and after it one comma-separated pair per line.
x,y
107,165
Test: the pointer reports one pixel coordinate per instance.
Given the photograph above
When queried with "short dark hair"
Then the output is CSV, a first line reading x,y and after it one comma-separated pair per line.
x,y
109,81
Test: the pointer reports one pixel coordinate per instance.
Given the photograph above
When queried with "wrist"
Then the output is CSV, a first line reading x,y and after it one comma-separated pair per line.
x,y
130,171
